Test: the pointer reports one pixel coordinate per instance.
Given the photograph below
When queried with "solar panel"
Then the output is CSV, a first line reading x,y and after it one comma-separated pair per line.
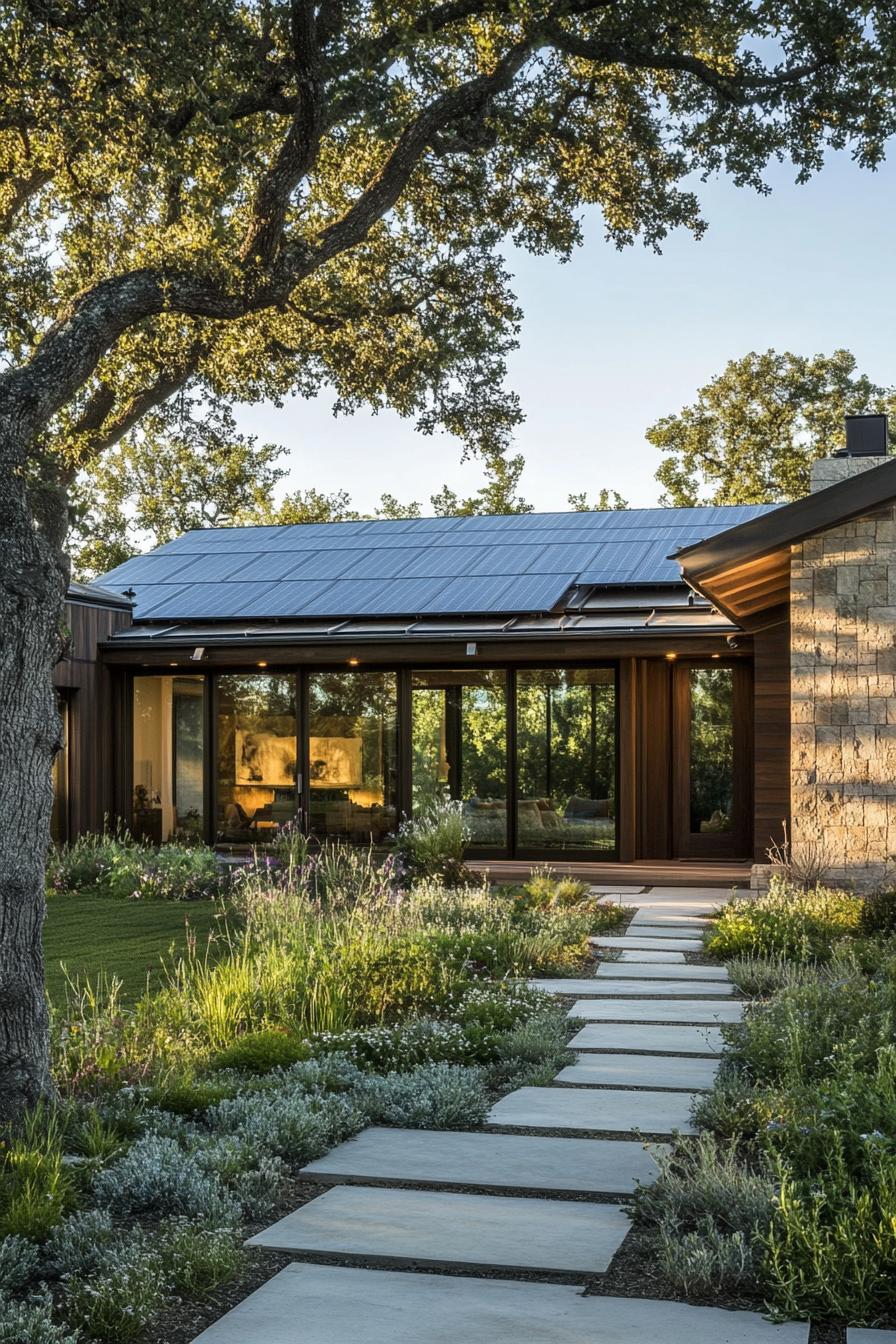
x,y
412,566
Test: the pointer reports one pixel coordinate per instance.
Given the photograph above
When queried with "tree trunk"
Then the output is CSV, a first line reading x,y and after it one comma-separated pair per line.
x,y
33,578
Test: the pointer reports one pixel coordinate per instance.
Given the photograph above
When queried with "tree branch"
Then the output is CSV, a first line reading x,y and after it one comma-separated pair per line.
x,y
737,91
383,192
299,149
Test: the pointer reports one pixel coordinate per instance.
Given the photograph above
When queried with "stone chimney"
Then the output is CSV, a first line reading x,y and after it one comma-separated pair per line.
x,y
867,446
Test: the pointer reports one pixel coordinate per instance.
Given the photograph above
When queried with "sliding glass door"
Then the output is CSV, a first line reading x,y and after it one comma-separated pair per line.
x,y
566,760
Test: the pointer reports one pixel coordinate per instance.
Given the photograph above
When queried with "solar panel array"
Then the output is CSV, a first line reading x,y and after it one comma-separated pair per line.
x,y
411,566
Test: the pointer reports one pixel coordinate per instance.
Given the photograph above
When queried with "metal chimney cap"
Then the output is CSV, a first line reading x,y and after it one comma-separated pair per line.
x,y
866,436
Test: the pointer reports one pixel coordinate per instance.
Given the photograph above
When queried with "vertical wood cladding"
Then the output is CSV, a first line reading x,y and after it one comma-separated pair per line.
x,y
654,710
771,736
86,684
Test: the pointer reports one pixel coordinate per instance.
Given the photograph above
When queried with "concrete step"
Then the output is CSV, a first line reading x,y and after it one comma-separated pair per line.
x,y
646,943
519,1162
323,1304
625,970
611,1070
451,1231
674,931
656,1010
641,957
597,1111
667,1039
606,987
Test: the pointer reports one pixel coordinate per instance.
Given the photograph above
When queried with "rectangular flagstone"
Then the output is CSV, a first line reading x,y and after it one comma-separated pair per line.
x,y
330,1304
647,944
639,955
606,889
626,970
496,1161
668,919
640,1071
675,931
449,1230
601,1110
854,1336
658,1040
655,1010
601,988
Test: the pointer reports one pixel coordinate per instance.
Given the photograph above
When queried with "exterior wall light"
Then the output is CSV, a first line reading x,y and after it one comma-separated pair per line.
x,y
472,650
262,664
670,657
353,662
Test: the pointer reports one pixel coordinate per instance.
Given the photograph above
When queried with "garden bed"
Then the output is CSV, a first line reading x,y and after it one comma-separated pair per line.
x,y
336,995
787,1200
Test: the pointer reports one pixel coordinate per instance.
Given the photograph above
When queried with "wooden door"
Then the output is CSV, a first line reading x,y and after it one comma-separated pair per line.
x,y
712,760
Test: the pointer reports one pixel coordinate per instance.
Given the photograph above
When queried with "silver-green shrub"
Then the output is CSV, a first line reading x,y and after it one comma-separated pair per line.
x,y
432,1096
32,1323
19,1260
156,1174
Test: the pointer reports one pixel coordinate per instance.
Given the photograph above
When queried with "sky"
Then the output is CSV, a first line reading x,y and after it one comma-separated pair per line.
x,y
613,340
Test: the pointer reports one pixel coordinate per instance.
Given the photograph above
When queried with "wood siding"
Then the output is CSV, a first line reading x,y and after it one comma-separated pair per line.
x,y
654,772
771,718
86,684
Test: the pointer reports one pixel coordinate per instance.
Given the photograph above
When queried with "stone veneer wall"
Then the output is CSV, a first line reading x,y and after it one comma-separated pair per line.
x,y
843,689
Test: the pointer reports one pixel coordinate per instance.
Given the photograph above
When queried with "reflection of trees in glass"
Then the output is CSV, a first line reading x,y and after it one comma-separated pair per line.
x,y
566,757
252,703
712,748
359,705
459,746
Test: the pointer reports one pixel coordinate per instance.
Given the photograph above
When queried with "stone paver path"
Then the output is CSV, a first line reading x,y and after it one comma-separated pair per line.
x,y
644,942
321,1304
653,1040
409,1200
600,987
597,1110
686,1075
449,1231
627,954
649,970
523,1162
656,1010
854,1336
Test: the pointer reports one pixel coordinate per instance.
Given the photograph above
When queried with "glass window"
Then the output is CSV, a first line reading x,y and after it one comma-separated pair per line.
x,y
459,747
258,764
566,758
712,749
353,755
169,758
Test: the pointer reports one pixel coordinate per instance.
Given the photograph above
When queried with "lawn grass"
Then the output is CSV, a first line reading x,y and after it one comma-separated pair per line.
x,y
93,934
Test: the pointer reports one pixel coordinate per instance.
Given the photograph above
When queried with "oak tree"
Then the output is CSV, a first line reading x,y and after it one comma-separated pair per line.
x,y
754,431
260,198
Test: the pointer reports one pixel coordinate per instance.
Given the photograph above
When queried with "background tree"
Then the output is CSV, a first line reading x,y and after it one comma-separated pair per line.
x,y
265,198
753,432
604,501
186,466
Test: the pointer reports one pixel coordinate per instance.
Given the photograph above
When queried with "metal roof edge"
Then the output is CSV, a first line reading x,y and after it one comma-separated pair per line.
x,y
791,523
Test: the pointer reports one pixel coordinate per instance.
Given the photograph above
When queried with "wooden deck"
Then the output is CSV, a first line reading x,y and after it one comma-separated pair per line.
x,y
660,873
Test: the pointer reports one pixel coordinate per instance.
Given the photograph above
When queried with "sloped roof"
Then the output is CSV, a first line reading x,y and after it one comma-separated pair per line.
x,y
412,567
745,570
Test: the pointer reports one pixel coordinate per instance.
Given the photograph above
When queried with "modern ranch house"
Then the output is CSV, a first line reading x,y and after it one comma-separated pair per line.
x,y
644,687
